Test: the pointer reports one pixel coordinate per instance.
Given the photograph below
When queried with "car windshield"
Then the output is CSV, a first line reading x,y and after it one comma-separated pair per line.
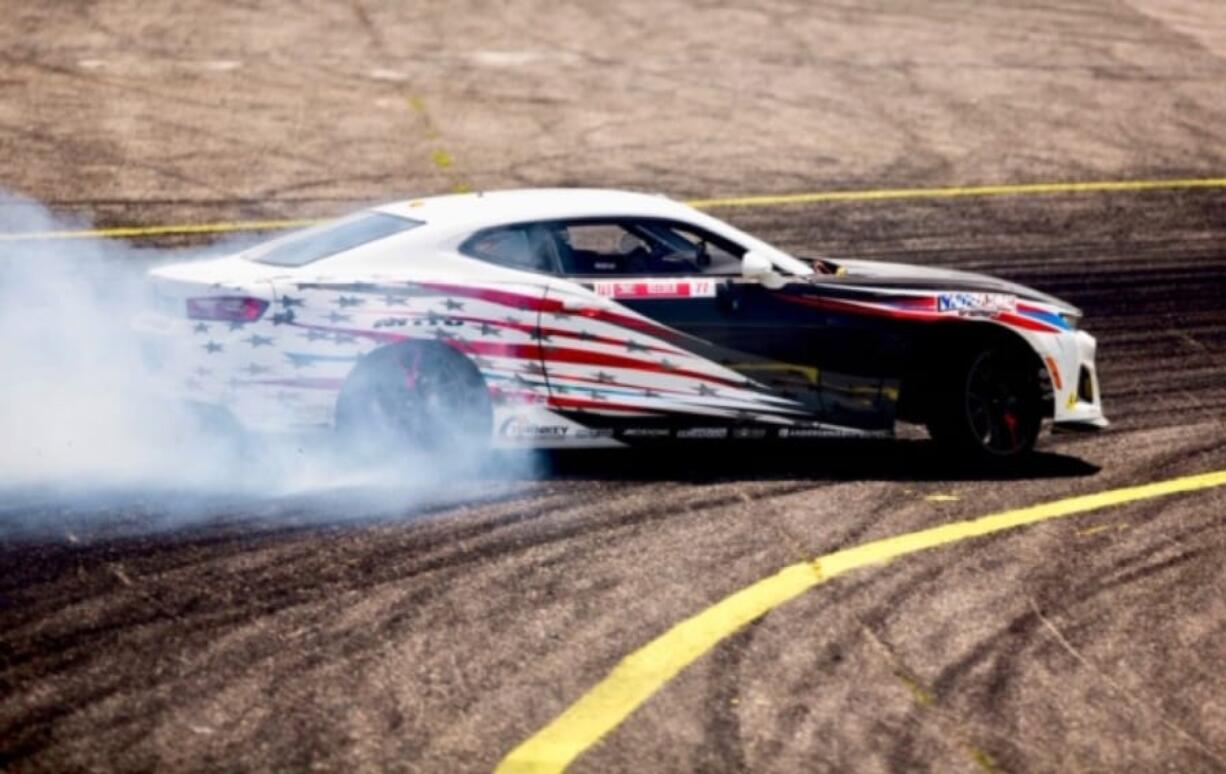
x,y
312,244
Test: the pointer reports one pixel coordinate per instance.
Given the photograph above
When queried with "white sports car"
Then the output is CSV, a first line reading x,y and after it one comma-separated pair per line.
x,y
579,318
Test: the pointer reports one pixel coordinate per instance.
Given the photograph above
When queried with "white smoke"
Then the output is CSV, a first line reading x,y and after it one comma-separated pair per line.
x,y
79,407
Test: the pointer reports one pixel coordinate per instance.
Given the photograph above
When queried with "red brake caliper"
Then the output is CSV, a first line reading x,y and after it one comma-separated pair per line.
x,y
411,370
1011,423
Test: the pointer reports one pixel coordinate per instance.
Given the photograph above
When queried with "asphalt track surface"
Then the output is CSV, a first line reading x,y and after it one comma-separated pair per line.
x,y
323,631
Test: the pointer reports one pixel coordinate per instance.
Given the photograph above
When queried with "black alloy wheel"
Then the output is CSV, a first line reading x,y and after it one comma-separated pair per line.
x,y
990,409
418,396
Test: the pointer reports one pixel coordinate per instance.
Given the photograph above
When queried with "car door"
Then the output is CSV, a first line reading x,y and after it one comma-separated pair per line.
x,y
724,349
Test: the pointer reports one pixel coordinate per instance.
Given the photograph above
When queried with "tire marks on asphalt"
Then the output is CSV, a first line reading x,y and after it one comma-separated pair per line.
x,y
641,674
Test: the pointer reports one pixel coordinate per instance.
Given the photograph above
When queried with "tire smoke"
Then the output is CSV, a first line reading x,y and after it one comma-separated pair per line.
x,y
82,418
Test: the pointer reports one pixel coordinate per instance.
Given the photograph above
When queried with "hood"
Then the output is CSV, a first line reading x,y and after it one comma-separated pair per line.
x,y
912,277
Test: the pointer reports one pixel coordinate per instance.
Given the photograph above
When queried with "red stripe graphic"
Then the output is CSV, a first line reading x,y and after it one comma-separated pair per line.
x,y
855,307
567,402
1025,322
581,356
867,308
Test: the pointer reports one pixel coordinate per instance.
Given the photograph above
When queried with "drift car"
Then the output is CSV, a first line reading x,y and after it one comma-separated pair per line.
x,y
584,318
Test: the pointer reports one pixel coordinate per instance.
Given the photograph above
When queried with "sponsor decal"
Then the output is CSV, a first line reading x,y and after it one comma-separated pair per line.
x,y
646,432
417,322
703,432
820,431
519,429
749,432
976,303
697,288
592,432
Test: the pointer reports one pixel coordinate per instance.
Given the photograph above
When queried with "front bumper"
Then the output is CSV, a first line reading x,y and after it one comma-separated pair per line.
x,y
1077,395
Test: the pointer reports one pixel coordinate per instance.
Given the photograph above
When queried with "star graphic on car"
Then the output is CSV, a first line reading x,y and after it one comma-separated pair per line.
x,y
452,305
604,378
394,300
537,334
490,330
704,390
596,394
335,317
586,336
258,341
237,325
634,346
283,318
300,361
288,302
200,328
213,347
347,301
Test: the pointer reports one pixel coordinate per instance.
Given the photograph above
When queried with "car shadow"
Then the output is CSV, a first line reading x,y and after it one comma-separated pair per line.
x,y
834,460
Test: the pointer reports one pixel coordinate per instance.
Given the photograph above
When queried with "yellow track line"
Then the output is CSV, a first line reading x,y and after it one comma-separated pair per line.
x,y
1022,189
638,676
147,231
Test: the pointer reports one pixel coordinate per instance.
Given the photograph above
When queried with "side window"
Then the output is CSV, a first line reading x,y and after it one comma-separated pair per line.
x,y
642,247
524,247
600,248
709,254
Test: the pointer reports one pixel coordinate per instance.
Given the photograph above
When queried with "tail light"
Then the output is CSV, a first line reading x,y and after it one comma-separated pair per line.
x,y
227,308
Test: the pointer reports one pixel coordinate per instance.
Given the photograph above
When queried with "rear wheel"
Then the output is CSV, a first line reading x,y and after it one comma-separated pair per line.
x,y
990,408
416,396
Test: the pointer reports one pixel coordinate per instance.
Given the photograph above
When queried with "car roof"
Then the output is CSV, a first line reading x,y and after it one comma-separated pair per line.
x,y
510,206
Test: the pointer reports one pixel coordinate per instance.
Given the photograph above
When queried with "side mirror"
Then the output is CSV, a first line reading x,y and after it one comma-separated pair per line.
x,y
756,266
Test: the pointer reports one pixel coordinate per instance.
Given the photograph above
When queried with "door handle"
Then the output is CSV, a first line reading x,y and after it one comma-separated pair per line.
x,y
728,297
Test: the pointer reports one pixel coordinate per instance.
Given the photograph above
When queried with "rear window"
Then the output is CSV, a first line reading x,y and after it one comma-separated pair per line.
x,y
312,244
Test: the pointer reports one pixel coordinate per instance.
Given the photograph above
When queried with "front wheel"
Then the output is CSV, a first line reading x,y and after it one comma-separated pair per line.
x,y
989,408
416,396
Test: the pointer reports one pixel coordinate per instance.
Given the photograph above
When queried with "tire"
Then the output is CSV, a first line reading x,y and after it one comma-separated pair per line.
x,y
989,409
418,397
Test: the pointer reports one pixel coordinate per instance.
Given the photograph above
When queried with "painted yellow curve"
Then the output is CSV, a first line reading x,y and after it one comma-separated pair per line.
x,y
638,676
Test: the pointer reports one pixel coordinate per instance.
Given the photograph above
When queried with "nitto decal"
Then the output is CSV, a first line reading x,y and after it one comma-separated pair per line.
x,y
702,288
430,321
976,303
